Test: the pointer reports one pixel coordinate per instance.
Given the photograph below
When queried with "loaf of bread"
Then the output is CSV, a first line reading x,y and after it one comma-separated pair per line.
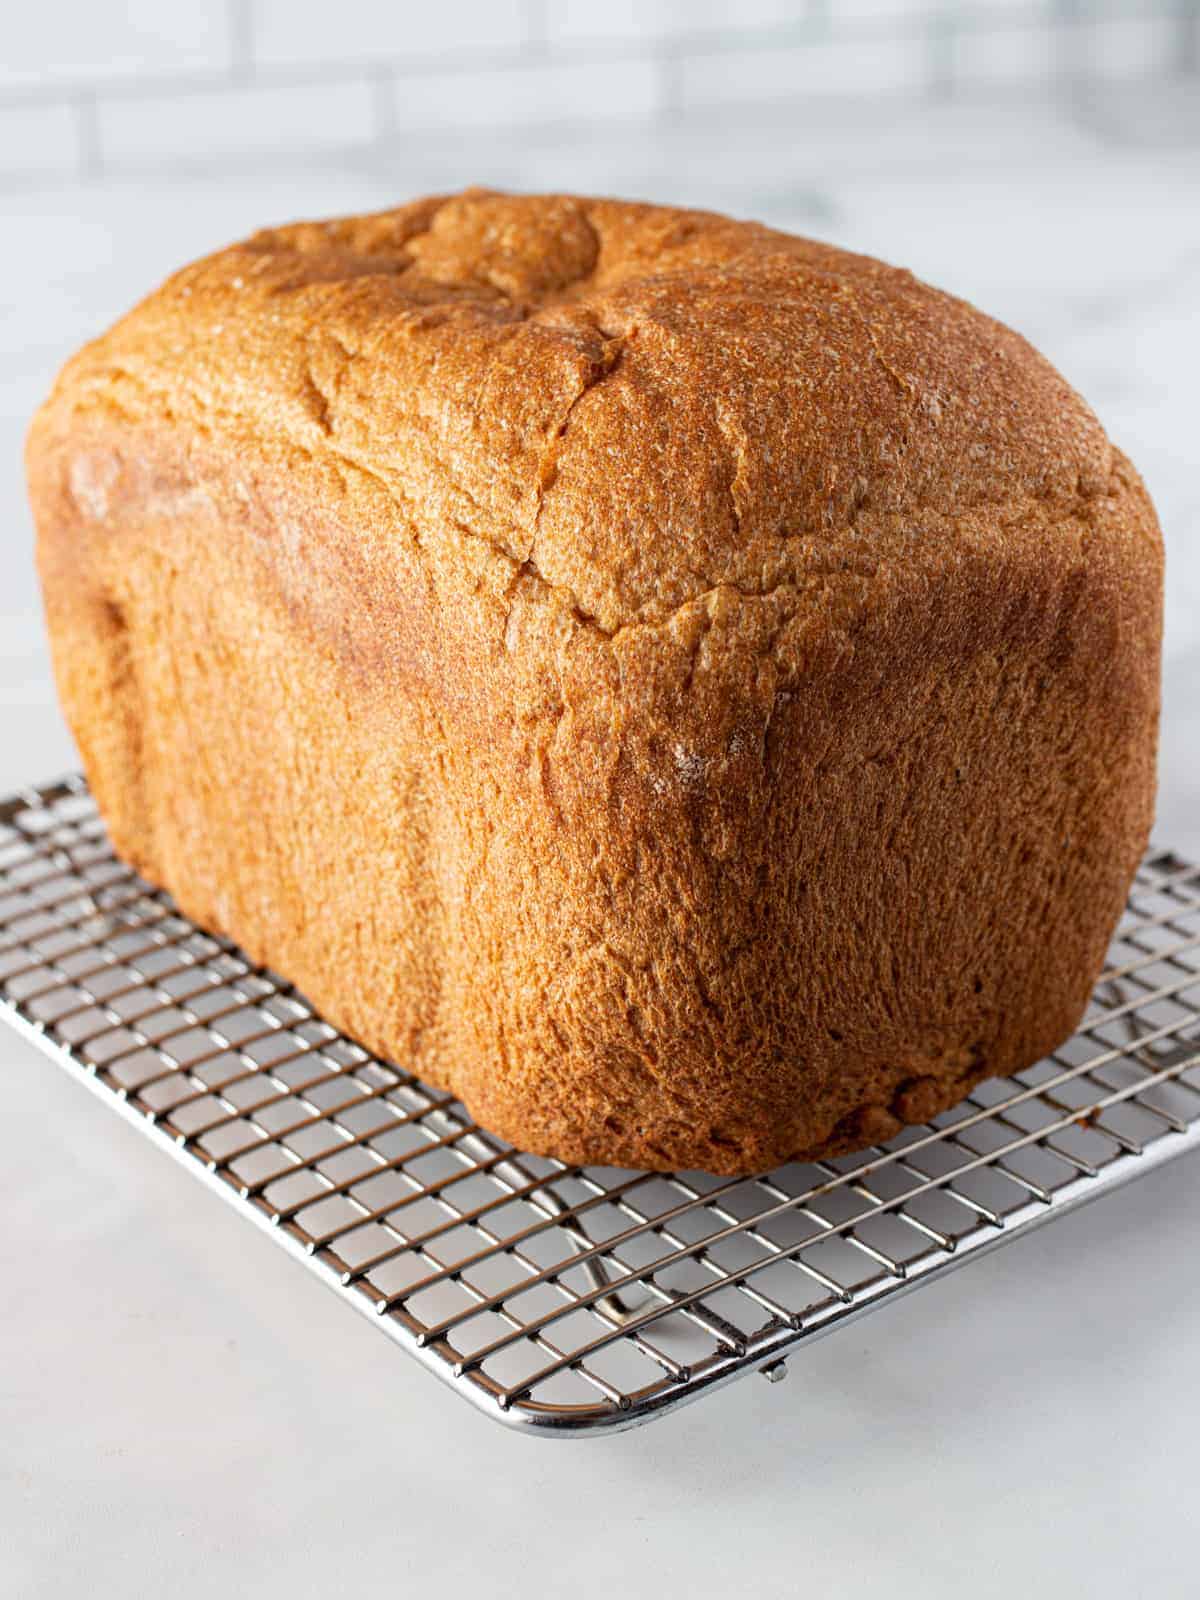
x,y
688,690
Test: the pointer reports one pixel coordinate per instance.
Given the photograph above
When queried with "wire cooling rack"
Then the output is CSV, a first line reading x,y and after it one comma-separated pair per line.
x,y
557,1298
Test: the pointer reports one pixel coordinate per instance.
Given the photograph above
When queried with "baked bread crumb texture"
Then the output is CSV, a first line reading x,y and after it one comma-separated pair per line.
x,y
688,690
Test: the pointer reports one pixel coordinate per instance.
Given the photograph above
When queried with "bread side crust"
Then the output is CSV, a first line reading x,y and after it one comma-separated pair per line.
x,y
761,882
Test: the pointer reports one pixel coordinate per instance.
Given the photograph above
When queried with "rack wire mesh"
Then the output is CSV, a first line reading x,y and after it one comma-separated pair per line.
x,y
558,1298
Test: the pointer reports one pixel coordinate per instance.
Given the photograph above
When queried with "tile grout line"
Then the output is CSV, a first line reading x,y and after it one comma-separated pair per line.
x,y
241,38
87,126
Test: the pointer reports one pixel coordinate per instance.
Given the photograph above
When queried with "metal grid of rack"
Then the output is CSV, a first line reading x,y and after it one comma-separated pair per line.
x,y
564,1299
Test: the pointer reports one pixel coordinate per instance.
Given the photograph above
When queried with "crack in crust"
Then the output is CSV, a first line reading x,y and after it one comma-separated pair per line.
x,y
605,365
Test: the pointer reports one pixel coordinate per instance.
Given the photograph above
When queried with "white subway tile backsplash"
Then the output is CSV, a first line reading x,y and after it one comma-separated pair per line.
x,y
1130,47
39,141
193,129
88,84
539,92
313,32
1003,57
854,70
58,41
575,21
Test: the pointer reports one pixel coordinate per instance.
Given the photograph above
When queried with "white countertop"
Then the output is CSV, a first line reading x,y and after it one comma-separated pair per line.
x,y
183,1411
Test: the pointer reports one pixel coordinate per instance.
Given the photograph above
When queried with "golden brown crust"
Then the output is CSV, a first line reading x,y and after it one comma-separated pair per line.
x,y
690,690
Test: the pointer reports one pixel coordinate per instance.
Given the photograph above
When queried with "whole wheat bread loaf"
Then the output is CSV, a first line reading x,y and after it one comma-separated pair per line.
x,y
687,689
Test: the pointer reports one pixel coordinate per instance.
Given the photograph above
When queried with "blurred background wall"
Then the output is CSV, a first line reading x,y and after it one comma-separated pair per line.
x,y
1040,157
91,87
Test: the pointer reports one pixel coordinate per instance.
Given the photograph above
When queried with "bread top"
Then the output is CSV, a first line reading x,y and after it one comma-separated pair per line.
x,y
634,404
